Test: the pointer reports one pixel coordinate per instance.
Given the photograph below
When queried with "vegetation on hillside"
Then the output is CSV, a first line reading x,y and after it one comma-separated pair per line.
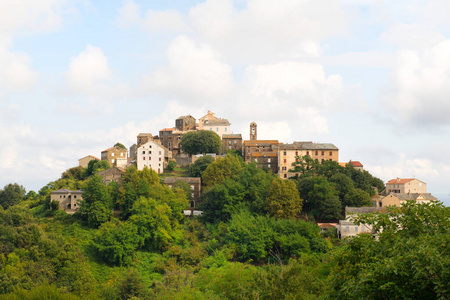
x,y
256,240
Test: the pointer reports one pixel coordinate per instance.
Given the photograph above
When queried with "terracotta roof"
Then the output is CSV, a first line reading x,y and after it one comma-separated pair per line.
x,y
355,163
326,225
168,129
90,156
232,136
308,146
259,154
400,180
261,142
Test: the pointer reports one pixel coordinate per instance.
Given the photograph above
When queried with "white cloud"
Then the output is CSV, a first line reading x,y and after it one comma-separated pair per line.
x,y
420,87
153,21
87,69
15,71
195,73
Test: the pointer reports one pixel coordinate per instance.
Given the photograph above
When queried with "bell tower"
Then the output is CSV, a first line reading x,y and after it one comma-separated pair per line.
x,y
253,131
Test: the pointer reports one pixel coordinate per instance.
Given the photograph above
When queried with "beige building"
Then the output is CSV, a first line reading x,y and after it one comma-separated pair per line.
x,y
405,185
208,117
288,154
231,142
116,156
194,182
83,162
347,228
212,123
397,199
68,200
112,174
151,155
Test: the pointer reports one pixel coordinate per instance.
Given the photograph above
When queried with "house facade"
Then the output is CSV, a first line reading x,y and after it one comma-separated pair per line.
x,y
397,199
347,228
405,185
143,138
231,142
319,151
112,174
68,200
83,162
263,152
194,182
151,155
116,156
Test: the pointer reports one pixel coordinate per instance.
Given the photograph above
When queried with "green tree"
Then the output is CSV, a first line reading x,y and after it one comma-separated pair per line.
x,y
410,259
202,141
283,200
221,169
196,169
357,198
76,173
97,203
116,241
184,186
11,194
305,166
326,204
171,165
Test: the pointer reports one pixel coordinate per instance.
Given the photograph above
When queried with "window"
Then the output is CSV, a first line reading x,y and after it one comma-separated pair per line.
x,y
229,147
74,196
210,128
296,153
347,229
323,152
268,160
284,160
143,158
285,175
217,129
143,152
235,141
226,129
149,158
268,165
160,159
229,142
149,152
356,229
284,152
307,152
256,160
331,153
317,152
159,152
121,154
112,154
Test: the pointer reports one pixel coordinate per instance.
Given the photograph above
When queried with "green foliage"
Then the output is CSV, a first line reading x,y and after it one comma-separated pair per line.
x,y
283,200
409,260
120,145
76,173
202,141
116,241
196,169
221,169
184,186
96,165
11,194
154,223
252,234
42,292
97,203
171,165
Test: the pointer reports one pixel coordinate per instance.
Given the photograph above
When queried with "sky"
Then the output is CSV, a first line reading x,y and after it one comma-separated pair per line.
x,y
371,77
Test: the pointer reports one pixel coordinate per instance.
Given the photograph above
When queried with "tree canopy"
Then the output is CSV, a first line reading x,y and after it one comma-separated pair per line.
x,y
202,141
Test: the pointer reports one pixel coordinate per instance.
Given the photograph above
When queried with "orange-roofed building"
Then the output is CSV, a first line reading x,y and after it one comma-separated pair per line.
x,y
263,152
405,185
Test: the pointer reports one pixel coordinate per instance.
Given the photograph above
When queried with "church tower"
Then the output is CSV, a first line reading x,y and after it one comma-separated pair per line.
x,y
253,131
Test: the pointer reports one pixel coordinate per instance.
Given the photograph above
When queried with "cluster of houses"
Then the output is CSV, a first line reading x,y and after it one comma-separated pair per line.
x,y
155,152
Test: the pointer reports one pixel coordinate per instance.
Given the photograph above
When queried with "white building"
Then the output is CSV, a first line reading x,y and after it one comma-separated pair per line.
x,y
151,155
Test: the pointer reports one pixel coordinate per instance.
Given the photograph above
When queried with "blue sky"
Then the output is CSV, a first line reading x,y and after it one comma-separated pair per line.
x,y
371,77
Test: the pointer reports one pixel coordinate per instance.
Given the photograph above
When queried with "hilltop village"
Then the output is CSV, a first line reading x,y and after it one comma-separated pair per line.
x,y
196,212
156,152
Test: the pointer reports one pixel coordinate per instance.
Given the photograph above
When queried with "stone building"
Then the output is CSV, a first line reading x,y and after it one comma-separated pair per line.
x,y
112,174
68,200
231,142
263,152
185,123
116,156
143,138
194,182
83,162
318,151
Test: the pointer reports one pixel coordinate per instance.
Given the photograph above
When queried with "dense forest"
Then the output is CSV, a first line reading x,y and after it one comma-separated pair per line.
x,y
257,239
